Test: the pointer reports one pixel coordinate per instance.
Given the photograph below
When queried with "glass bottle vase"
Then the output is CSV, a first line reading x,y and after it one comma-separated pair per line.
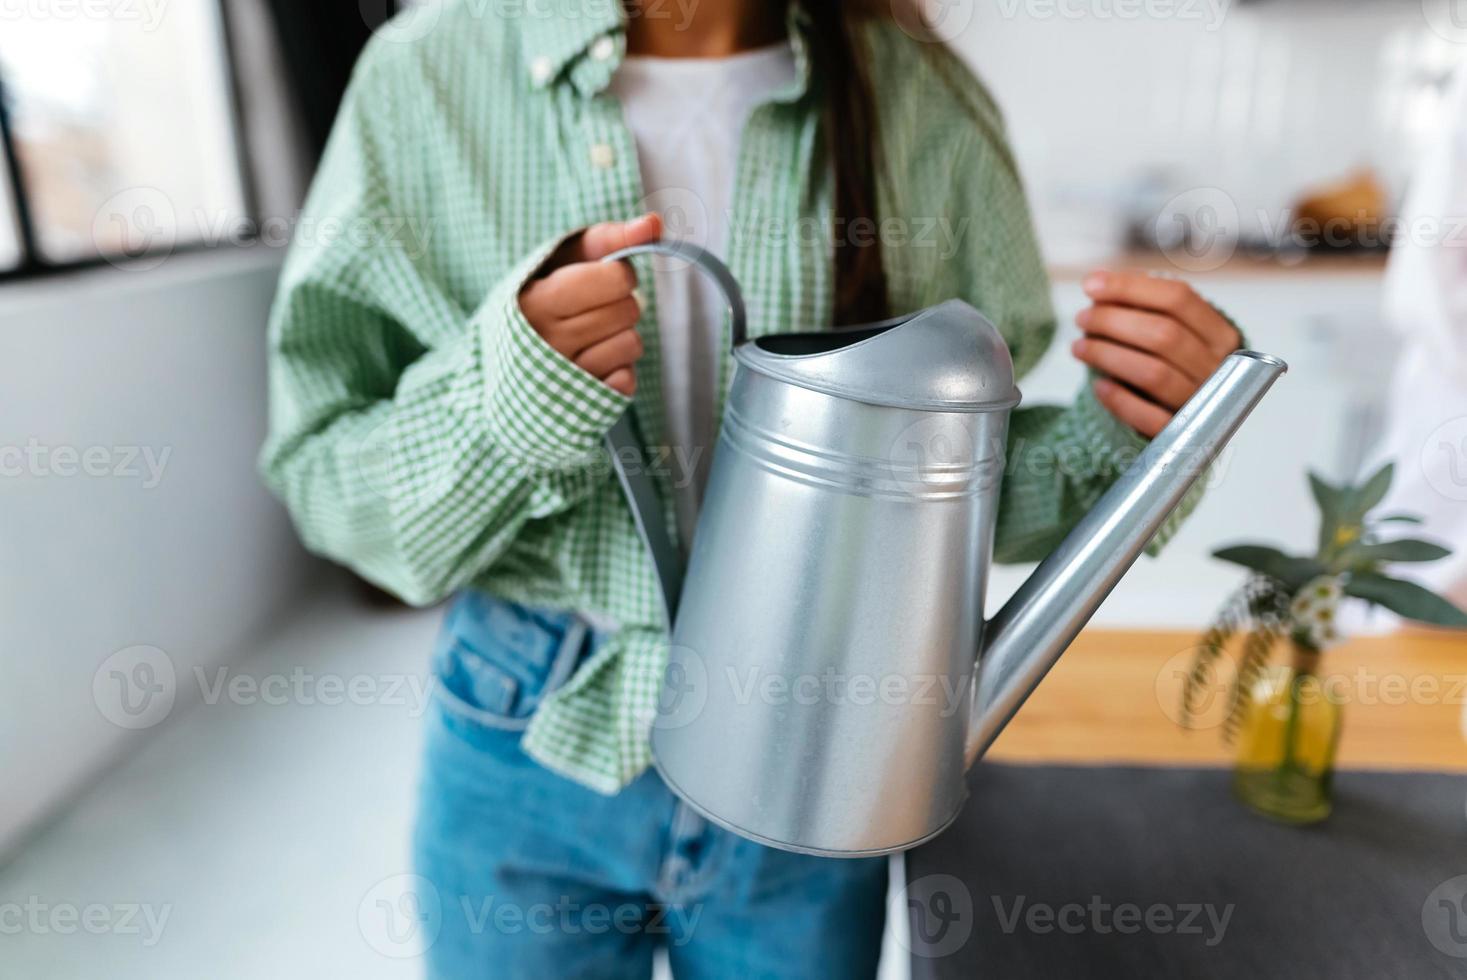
x,y
1287,742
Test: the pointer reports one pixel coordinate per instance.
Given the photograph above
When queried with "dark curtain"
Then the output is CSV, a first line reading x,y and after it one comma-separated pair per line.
x,y
320,41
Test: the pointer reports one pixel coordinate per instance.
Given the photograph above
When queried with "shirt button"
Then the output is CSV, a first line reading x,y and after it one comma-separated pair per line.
x,y
603,157
540,70
603,49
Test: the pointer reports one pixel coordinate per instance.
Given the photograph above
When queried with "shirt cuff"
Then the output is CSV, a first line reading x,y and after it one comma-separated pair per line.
x,y
1109,445
1112,446
540,407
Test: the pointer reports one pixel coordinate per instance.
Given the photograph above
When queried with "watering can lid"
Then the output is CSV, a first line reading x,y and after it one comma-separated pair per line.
x,y
947,358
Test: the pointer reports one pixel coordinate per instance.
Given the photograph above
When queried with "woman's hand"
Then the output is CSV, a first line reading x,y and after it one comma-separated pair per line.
x,y
1154,340
588,309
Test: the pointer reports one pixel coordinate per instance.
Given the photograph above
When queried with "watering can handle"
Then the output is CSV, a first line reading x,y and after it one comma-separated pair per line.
x,y
628,460
627,455
708,263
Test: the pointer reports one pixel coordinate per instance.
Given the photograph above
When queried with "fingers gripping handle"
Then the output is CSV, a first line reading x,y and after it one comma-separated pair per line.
x,y
628,458
708,263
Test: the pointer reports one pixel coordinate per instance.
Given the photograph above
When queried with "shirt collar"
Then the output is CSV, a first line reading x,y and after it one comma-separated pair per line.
x,y
583,42
559,34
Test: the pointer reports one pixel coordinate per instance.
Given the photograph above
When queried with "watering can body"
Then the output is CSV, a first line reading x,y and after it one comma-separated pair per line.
x,y
824,691
821,673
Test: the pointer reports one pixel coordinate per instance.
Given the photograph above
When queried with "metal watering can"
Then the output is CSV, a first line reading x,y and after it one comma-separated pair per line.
x,y
831,675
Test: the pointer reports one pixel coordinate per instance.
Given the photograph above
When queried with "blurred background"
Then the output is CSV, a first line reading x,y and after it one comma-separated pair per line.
x,y
210,737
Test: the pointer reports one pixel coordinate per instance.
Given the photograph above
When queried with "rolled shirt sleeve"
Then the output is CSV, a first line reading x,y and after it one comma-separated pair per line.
x,y
412,439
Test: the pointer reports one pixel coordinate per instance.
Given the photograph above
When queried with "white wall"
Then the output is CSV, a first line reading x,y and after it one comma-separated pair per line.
x,y
1263,100
106,551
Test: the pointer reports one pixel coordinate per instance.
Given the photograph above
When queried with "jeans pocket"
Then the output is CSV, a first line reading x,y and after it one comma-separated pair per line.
x,y
497,661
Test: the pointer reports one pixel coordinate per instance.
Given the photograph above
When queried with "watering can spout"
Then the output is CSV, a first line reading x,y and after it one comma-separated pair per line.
x,y
1030,632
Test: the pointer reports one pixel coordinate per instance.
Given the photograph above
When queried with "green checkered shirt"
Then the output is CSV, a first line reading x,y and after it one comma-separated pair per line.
x,y
423,434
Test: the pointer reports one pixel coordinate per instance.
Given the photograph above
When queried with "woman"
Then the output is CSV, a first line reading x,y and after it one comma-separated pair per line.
x,y
448,351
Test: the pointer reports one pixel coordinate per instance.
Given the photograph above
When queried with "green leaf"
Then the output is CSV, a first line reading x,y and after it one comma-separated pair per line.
x,y
1293,572
1406,599
1370,493
1197,685
1406,549
1402,519
1329,498
1331,501
1257,649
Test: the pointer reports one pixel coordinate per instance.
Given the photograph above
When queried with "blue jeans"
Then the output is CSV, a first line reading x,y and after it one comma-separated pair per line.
x,y
537,876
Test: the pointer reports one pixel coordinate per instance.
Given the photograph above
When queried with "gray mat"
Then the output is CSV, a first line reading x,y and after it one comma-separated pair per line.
x,y
1127,873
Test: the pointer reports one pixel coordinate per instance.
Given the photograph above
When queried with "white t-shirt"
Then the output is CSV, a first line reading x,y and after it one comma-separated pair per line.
x,y
688,116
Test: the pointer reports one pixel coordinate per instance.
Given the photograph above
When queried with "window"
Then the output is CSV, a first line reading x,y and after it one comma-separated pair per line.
x,y
9,223
121,120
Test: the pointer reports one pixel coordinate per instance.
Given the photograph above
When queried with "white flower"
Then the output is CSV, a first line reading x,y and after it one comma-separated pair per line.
x,y
1315,611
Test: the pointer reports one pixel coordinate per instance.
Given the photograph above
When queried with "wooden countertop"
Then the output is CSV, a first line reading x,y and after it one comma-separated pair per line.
x,y
1241,266
1112,699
